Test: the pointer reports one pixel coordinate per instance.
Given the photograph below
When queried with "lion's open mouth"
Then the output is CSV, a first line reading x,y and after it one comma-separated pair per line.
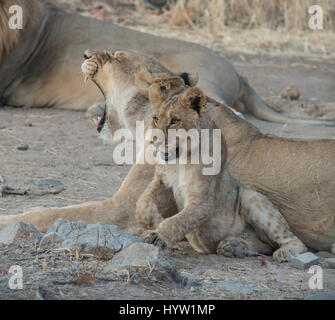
x,y
100,122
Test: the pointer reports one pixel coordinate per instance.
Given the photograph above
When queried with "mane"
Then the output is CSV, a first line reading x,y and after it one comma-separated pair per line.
x,y
32,13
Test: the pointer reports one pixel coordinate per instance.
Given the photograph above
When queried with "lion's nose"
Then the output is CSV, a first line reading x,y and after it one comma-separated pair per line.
x,y
87,55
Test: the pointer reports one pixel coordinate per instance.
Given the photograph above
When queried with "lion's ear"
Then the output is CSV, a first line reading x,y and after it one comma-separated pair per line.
x,y
143,80
156,96
195,99
190,79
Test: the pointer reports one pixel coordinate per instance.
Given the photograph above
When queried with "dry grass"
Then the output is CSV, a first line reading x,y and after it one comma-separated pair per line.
x,y
246,14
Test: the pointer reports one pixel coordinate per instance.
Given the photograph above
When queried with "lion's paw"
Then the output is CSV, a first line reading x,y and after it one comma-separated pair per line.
x,y
90,69
291,248
152,237
234,247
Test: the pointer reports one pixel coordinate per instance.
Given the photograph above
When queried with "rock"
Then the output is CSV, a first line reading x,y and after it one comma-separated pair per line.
x,y
48,182
331,262
18,232
291,93
321,296
28,124
304,260
101,240
145,260
23,147
236,286
325,254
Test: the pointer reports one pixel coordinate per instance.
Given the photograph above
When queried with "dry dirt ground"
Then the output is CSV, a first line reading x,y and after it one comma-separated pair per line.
x,y
63,145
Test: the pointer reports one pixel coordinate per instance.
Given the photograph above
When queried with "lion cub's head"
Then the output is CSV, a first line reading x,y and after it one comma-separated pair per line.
x,y
182,112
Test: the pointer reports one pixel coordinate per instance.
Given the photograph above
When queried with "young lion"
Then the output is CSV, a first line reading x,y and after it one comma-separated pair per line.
x,y
213,209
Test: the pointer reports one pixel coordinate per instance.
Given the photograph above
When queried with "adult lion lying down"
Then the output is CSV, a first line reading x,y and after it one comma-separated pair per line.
x,y
298,176
35,61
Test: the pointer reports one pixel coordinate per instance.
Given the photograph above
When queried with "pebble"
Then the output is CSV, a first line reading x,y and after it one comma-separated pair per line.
x,y
331,262
23,147
321,296
304,260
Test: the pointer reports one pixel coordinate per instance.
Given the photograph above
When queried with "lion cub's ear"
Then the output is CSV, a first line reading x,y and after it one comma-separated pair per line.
x,y
195,99
163,87
190,79
143,80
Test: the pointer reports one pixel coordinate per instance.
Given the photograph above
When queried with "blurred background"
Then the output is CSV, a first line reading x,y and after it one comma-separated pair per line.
x,y
268,41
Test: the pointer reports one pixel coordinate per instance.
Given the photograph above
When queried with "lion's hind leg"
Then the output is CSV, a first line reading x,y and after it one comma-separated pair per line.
x,y
270,225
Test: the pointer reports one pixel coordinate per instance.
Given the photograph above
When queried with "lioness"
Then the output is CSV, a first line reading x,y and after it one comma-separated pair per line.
x,y
35,60
214,209
296,175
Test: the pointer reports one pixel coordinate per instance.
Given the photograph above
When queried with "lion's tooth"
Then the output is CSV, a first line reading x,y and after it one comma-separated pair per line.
x,y
96,121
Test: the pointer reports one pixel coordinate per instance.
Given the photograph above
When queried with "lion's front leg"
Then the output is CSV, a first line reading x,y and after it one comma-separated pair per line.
x,y
119,210
147,213
175,228
266,219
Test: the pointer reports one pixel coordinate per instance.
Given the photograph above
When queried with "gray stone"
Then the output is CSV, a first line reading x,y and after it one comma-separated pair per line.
x,y
331,262
48,182
236,286
325,254
18,232
99,239
304,260
23,147
321,296
145,260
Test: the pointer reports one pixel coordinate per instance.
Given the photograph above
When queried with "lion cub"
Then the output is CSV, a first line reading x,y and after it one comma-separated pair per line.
x,y
216,214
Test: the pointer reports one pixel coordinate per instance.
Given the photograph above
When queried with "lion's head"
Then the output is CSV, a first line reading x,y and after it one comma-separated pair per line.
x,y
177,115
124,77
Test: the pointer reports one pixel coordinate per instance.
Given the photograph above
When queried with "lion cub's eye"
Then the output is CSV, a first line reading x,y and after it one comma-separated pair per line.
x,y
174,121
155,118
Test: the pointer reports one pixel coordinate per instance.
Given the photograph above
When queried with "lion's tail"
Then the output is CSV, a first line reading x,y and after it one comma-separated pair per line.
x,y
256,106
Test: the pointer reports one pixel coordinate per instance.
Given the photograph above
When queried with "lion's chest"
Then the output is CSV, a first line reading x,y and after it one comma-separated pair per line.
x,y
178,178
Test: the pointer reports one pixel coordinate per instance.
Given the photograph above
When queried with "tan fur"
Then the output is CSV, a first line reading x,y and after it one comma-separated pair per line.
x,y
41,63
211,208
297,176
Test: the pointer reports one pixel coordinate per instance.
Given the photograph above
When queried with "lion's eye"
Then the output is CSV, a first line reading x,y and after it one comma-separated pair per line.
x,y
174,121
155,118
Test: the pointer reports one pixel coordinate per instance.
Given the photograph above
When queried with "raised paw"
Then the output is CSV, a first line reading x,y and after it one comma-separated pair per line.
x,y
152,237
292,248
235,247
90,68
